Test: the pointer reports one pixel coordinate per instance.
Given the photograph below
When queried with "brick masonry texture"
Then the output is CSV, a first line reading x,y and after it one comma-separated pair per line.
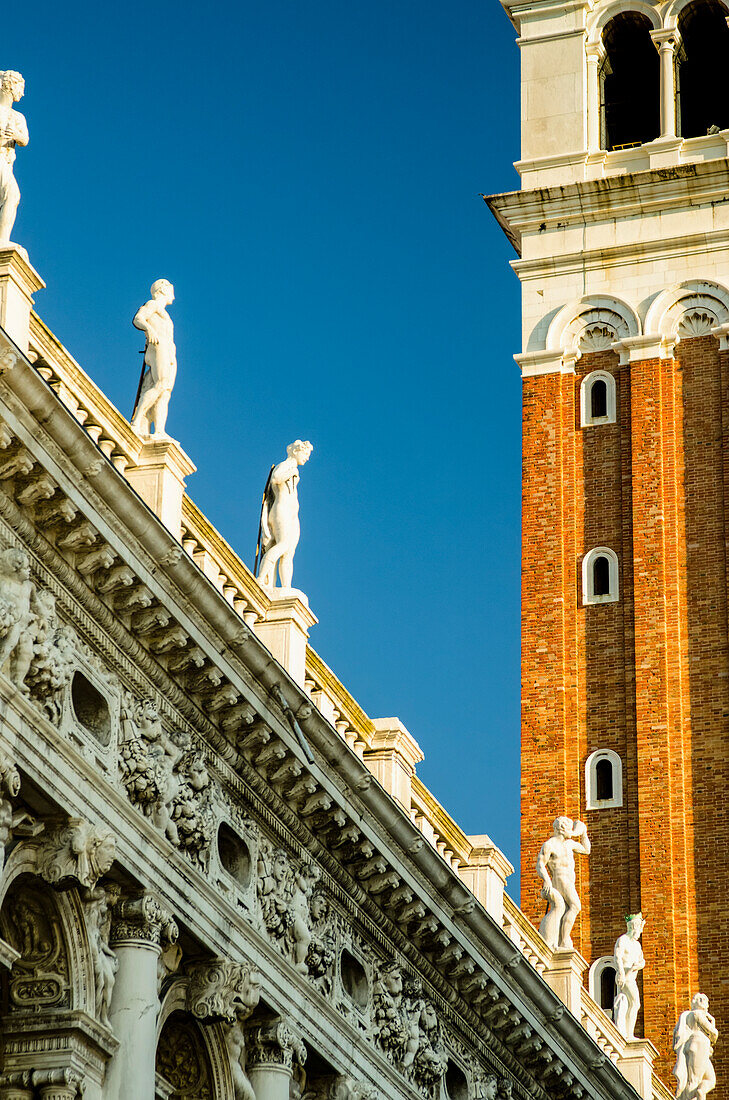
x,y
647,676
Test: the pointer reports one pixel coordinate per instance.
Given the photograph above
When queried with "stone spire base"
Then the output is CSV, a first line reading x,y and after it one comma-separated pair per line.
x,y
159,478
18,283
285,630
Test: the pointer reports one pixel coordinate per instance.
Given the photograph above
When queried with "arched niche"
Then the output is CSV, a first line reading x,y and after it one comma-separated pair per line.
x,y
591,324
48,927
691,308
191,1055
703,93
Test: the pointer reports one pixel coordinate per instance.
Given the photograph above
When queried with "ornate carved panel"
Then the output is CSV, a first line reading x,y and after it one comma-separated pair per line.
x,y
182,1059
31,923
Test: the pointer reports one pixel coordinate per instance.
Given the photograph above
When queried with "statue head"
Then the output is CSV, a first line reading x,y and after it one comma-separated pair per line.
x,y
9,776
163,290
635,923
12,82
563,826
300,450
16,561
103,851
700,1001
318,907
489,1088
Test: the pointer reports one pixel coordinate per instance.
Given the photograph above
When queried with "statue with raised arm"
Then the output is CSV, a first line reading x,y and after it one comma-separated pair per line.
x,y
629,961
693,1041
160,360
556,868
280,528
13,131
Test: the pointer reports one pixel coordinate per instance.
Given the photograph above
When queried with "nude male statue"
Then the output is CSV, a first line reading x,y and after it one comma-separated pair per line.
x,y
160,359
693,1041
280,529
629,961
556,868
13,131
18,603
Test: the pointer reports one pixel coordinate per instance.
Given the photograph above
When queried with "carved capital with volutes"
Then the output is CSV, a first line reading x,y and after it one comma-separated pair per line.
x,y
58,1084
273,1044
16,1086
143,921
223,990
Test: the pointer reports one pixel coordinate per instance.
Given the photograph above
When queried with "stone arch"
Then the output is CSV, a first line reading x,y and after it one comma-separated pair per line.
x,y
673,11
603,16
592,323
691,308
66,915
203,1042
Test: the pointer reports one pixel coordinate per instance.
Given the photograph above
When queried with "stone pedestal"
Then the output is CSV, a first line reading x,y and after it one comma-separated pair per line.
x,y
159,478
270,1053
18,283
136,937
285,629
392,757
564,976
636,1065
486,873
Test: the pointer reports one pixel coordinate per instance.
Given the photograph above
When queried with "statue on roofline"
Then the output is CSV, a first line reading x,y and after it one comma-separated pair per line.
x,y
279,529
160,361
13,131
556,868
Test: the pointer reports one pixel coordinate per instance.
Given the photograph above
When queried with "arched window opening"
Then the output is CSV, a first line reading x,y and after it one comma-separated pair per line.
x,y
604,780
600,580
598,399
456,1083
607,989
601,577
630,82
703,98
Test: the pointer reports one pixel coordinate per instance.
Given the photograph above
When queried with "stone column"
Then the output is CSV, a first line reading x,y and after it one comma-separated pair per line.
x,y
138,928
595,58
667,43
270,1052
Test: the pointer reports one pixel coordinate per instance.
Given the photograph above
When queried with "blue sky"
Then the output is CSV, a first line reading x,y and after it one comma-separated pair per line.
x,y
308,176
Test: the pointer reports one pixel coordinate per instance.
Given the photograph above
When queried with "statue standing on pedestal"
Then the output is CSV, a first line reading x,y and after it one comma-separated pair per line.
x,y
693,1041
629,961
280,530
13,131
556,868
160,360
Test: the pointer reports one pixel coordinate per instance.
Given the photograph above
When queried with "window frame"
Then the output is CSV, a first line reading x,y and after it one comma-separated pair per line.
x,y
588,590
595,977
591,800
586,418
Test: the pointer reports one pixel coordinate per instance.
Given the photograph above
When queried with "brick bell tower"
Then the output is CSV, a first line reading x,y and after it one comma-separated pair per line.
x,y
622,234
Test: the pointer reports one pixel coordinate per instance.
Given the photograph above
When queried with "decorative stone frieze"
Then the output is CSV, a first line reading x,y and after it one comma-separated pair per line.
x,y
76,852
219,989
407,1028
142,920
98,907
284,894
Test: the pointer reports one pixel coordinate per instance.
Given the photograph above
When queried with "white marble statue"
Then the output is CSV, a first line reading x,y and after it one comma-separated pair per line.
x,y
13,131
18,604
160,360
629,961
556,868
280,528
693,1039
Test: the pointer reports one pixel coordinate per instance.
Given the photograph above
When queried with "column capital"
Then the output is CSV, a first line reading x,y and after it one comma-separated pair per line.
x,y
666,39
16,1086
143,921
273,1044
596,51
58,1084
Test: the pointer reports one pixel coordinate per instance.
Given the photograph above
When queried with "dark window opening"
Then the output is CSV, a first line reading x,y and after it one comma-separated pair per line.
x,y
456,1083
630,82
601,577
91,708
354,979
603,780
598,398
607,989
234,855
703,100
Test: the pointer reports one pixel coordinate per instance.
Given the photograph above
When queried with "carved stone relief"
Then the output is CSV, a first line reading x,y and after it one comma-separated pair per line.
x,y
31,923
182,1059
407,1028
98,905
76,852
219,989
284,897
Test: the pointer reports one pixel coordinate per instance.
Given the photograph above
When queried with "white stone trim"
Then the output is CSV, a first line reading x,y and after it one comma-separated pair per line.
x,y
603,16
587,420
592,323
639,348
673,11
594,976
588,595
672,308
591,800
535,363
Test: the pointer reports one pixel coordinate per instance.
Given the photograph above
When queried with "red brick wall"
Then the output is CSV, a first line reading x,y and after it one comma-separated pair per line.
x,y
647,676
